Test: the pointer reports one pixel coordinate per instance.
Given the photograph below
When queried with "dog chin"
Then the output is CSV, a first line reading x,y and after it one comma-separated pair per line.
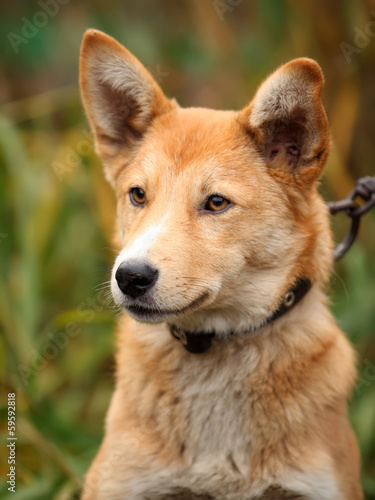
x,y
151,313
147,315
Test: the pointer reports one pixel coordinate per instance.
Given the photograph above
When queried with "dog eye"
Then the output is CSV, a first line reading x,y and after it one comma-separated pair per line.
x,y
216,203
137,196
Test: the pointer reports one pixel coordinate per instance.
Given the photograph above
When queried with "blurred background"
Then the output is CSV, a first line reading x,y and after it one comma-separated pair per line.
x,y
57,211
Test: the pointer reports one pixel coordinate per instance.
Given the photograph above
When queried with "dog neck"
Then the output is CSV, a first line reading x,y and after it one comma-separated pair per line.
x,y
199,342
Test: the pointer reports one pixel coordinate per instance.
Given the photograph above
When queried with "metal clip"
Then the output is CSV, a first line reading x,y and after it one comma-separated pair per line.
x,y
365,189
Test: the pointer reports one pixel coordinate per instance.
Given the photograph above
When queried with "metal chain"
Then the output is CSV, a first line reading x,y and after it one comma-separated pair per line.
x,y
364,189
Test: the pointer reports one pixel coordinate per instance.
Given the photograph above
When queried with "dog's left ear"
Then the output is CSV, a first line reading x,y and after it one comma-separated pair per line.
x,y
287,120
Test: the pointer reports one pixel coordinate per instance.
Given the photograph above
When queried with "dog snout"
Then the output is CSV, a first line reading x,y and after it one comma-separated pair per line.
x,y
135,278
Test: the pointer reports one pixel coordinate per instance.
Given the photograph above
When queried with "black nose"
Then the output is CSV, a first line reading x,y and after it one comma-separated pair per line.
x,y
135,278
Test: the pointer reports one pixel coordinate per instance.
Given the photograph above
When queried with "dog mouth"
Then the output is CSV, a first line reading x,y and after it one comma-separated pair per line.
x,y
151,314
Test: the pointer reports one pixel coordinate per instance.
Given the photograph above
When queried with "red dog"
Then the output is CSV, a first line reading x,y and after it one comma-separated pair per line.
x,y
232,375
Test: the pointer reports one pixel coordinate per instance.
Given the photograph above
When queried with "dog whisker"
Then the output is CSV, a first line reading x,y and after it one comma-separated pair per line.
x,y
115,250
341,280
103,286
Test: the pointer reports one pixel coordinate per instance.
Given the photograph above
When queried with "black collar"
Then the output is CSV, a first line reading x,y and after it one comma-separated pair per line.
x,y
199,342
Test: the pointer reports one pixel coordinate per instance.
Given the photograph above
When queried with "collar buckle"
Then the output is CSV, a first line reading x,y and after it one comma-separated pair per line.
x,y
179,334
196,343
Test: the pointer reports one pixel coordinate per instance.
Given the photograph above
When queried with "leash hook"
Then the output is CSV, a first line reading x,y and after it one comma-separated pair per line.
x,y
364,189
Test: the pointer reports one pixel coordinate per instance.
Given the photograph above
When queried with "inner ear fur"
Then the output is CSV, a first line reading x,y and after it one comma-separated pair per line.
x,y
287,120
120,96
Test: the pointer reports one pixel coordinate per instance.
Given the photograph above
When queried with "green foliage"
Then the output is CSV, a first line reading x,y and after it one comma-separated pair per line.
x,y
57,212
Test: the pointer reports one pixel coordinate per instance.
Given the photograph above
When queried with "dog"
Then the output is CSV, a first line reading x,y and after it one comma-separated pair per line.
x,y
232,375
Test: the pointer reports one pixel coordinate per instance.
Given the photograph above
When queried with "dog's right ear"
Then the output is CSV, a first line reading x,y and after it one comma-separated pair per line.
x,y
120,96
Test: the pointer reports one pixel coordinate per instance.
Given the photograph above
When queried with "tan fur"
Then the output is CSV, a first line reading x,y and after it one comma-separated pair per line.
x,y
261,415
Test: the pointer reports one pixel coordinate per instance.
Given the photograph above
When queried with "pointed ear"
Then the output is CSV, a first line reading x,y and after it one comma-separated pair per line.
x,y
287,120
120,96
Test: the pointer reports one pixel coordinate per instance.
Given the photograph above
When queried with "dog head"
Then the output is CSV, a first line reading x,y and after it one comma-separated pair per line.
x,y
218,210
